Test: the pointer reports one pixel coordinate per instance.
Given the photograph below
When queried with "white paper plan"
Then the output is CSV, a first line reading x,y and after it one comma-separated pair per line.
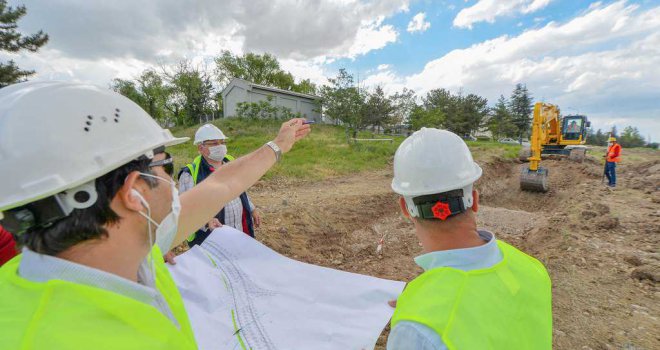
x,y
242,295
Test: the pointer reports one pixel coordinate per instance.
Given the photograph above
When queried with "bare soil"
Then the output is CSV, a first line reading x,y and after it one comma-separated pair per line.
x,y
600,245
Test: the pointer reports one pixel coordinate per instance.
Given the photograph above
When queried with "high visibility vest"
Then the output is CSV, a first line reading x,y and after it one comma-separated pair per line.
x,y
194,172
614,153
194,166
507,306
59,314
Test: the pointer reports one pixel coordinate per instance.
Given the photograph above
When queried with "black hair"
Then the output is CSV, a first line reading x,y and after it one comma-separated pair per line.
x,y
85,224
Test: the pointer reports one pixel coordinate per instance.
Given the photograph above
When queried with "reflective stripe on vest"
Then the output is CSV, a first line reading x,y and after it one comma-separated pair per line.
x,y
64,315
507,306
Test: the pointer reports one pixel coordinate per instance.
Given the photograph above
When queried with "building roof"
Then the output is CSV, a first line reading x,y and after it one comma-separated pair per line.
x,y
272,89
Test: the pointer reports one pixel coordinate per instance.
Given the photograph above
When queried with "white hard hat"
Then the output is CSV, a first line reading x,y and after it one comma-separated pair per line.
x,y
208,132
57,136
433,161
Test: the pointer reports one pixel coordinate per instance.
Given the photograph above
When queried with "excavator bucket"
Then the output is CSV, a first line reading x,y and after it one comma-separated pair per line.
x,y
535,181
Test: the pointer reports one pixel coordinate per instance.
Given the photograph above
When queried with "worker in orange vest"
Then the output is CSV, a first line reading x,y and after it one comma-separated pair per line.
x,y
613,156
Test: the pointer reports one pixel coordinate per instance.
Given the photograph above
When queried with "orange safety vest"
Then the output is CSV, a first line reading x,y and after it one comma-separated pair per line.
x,y
614,153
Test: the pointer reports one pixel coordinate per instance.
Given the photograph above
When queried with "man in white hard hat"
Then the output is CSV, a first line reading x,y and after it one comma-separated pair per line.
x,y
240,213
94,216
476,292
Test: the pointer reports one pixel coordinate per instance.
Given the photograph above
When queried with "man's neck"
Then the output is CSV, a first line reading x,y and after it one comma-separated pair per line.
x,y
121,259
452,236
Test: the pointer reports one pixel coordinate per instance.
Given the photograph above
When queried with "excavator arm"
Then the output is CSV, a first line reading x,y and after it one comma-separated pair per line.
x,y
545,126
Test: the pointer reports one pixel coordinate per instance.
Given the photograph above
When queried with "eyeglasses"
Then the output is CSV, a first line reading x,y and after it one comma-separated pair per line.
x,y
167,164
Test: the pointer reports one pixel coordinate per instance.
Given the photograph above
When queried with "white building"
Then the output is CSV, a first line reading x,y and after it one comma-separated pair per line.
x,y
240,90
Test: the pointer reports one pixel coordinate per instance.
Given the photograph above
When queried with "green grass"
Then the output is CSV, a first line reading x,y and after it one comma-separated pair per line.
x,y
324,153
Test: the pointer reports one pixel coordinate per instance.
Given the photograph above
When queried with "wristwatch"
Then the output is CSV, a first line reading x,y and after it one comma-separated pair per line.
x,y
276,149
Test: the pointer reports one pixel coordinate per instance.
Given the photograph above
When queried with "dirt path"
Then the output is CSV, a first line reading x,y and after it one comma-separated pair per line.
x,y
600,246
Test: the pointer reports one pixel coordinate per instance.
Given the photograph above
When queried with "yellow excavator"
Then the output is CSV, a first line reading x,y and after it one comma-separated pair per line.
x,y
552,135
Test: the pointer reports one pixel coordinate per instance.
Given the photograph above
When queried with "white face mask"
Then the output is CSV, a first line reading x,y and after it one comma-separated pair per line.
x,y
166,230
218,152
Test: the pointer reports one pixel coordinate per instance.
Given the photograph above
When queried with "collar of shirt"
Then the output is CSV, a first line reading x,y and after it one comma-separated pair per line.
x,y
41,268
466,259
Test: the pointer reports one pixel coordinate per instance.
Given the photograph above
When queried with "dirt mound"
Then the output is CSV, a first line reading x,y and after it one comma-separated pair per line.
x,y
599,245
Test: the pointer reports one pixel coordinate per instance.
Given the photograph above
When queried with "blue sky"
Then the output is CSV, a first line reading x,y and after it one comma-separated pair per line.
x,y
597,58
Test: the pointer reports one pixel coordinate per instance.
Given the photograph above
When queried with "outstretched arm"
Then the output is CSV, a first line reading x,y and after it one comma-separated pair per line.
x,y
206,199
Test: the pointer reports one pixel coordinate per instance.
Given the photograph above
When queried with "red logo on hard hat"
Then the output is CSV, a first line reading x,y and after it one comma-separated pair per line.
x,y
441,210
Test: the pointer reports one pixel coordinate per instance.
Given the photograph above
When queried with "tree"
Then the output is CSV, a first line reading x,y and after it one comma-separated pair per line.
x,y
343,102
462,115
404,103
154,94
422,117
13,41
128,89
520,107
631,137
378,109
305,87
260,69
190,93
500,123
471,111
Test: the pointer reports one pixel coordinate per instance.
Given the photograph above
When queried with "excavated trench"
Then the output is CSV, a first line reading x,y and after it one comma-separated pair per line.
x,y
340,222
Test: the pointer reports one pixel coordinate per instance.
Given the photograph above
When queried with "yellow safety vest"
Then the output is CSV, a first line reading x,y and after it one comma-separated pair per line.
x,y
194,172
63,315
507,306
194,166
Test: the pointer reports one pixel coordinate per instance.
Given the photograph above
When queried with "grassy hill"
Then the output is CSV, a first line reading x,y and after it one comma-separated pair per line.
x,y
323,154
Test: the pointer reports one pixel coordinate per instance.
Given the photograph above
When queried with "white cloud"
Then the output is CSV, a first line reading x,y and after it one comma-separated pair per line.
x,y
95,41
593,63
488,10
372,35
418,23
383,66
311,69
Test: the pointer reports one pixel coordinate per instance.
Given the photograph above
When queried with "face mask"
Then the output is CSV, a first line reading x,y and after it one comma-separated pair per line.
x,y
166,230
218,152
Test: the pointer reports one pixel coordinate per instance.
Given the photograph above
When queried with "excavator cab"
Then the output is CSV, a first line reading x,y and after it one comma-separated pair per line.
x,y
574,128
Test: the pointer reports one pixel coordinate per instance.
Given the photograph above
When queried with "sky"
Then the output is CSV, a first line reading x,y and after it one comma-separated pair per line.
x,y
600,59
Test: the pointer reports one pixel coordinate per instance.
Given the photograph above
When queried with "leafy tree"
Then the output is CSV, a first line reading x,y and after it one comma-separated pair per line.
x,y
500,123
154,93
520,107
343,102
423,117
470,113
598,138
305,87
128,89
191,93
462,115
404,103
12,40
379,110
631,137
614,132
260,69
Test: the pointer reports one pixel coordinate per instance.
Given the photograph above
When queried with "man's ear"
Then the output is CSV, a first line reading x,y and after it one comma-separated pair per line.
x,y
404,208
126,196
475,201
